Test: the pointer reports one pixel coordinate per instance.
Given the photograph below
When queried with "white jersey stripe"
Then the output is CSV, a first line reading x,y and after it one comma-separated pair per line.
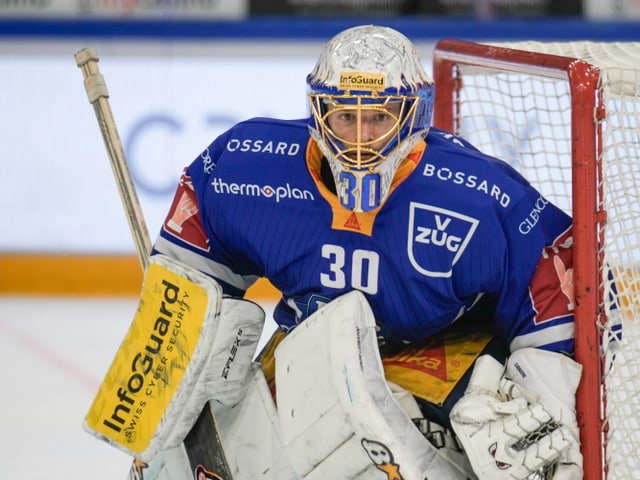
x,y
215,269
544,337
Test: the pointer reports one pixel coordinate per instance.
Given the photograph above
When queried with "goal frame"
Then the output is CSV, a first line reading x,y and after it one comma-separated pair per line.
x,y
586,113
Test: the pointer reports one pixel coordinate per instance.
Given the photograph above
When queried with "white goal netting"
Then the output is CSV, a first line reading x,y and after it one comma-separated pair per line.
x,y
526,115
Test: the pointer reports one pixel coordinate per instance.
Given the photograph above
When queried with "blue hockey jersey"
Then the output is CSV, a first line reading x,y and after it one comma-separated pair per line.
x,y
457,225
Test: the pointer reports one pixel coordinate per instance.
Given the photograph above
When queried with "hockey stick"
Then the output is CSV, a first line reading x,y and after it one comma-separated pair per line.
x,y
94,84
202,444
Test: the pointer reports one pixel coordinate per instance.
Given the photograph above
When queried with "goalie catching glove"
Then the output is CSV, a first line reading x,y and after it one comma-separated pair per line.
x,y
518,423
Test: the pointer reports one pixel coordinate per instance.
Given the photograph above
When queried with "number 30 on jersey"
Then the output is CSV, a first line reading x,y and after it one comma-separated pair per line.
x,y
364,266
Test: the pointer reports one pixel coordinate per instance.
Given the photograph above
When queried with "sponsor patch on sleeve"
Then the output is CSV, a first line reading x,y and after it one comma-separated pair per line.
x,y
184,221
551,288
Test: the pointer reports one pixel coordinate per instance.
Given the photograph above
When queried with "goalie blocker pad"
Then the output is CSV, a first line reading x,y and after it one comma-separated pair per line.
x,y
176,355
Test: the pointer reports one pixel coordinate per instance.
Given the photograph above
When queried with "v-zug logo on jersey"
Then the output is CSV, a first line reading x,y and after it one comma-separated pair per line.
x,y
437,238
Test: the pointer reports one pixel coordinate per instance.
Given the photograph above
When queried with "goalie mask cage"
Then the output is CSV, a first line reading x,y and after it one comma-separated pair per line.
x,y
567,116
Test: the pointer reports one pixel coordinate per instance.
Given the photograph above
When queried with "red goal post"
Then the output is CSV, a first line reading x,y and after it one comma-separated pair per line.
x,y
567,115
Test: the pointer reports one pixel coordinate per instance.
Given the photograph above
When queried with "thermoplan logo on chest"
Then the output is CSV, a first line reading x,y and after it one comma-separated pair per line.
x,y
437,238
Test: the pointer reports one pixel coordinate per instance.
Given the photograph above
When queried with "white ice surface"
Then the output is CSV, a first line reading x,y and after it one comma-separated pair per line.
x,y
54,353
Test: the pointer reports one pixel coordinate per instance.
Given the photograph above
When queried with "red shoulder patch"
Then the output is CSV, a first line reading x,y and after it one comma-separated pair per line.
x,y
183,220
551,288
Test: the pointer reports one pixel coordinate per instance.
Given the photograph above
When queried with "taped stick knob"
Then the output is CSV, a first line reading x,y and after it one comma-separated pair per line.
x,y
87,59
86,55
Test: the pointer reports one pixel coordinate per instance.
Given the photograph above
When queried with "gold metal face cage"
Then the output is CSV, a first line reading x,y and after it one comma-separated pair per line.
x,y
361,155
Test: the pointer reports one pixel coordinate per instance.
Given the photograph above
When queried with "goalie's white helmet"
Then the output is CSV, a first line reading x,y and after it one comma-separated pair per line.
x,y
370,70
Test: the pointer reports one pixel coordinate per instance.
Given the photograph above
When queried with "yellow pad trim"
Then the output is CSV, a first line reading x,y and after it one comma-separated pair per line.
x,y
267,359
151,361
428,371
431,372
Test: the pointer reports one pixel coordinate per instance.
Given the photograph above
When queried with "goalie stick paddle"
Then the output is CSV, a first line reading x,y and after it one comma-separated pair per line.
x,y
202,444
205,450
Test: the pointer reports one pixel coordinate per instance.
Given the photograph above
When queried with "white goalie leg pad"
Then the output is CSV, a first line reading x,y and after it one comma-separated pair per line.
x,y
185,346
250,433
338,417
506,437
553,378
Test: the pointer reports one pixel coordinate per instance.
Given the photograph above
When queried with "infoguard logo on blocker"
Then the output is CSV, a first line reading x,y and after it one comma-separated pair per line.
x,y
151,362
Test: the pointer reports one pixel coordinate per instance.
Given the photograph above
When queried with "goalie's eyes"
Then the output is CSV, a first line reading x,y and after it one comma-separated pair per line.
x,y
371,124
352,117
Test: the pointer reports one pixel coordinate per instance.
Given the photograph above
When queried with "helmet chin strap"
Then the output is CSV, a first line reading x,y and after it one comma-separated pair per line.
x,y
352,199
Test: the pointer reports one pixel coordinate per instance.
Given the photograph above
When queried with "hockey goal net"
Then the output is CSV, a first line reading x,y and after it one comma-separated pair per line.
x,y
567,116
